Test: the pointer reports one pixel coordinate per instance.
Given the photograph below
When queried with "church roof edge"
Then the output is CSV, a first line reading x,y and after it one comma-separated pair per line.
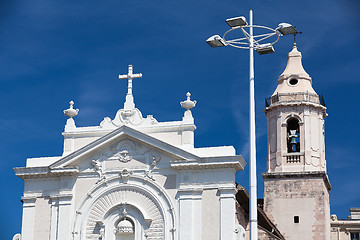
x,y
123,130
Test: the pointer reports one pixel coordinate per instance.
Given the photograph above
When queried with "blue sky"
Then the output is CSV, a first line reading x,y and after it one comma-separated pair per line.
x,y
52,52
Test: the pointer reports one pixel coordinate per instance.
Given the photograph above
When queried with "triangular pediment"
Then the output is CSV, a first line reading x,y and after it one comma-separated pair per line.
x,y
122,145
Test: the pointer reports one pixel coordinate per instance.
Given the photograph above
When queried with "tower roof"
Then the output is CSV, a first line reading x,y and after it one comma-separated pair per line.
x,y
294,79
294,64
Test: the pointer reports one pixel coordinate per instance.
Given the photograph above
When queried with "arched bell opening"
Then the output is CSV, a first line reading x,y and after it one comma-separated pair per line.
x,y
293,135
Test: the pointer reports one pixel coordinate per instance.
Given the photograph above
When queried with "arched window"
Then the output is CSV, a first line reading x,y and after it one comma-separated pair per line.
x,y
293,135
125,230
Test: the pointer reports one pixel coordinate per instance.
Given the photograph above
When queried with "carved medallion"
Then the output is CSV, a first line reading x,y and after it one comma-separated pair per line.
x,y
123,156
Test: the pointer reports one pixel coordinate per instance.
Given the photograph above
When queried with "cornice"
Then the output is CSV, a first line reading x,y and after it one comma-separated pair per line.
x,y
28,201
189,193
235,162
158,128
346,222
119,133
42,172
296,103
301,175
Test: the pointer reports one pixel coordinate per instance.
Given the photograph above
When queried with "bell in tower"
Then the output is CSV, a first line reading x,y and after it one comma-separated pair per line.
x,y
293,136
296,186
295,118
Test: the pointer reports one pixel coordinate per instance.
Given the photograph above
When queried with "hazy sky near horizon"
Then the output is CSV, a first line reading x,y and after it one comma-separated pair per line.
x,y
52,52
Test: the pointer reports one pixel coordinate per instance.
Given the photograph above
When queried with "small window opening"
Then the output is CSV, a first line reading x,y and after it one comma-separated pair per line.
x,y
293,133
296,219
354,236
293,81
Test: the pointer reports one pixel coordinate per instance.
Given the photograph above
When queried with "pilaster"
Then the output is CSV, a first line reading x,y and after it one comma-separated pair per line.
x,y
61,217
27,231
190,214
227,213
54,218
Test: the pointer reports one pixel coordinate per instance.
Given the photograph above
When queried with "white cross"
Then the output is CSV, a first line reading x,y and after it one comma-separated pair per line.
x,y
130,76
129,101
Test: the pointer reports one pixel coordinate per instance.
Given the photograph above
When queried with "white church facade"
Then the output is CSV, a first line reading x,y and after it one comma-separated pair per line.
x,y
131,178
134,178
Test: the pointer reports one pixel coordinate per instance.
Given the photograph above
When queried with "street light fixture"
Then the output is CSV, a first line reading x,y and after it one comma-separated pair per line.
x,y
236,21
264,48
216,41
251,42
286,29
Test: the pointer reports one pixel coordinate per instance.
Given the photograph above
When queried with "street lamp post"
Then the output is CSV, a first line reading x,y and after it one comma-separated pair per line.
x,y
251,42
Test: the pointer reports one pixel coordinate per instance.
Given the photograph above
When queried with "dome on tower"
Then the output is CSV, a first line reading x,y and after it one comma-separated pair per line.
x,y
294,79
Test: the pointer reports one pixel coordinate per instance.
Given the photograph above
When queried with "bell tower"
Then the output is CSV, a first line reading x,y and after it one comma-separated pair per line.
x,y
296,186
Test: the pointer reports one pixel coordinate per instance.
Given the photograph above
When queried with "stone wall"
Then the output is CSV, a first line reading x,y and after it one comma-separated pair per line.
x,y
298,204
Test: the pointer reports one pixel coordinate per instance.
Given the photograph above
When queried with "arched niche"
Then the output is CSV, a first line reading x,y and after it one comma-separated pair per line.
x,y
125,229
143,201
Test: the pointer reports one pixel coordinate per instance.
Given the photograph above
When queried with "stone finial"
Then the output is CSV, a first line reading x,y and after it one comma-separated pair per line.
x,y
71,112
188,104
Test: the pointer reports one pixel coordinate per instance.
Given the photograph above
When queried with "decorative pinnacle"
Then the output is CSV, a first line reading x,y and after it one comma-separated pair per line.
x,y
188,104
294,46
71,112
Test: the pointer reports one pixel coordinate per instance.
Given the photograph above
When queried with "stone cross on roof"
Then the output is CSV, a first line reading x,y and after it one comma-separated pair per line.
x,y
129,102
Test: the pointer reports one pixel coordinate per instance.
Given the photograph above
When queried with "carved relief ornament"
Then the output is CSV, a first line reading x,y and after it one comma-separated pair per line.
x,y
123,156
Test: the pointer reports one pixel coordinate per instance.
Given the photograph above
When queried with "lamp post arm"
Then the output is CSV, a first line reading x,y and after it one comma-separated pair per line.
x,y
237,39
266,36
250,36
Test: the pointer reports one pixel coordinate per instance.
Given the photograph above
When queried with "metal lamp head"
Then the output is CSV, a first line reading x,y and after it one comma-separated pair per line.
x,y
216,41
237,22
286,29
264,49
